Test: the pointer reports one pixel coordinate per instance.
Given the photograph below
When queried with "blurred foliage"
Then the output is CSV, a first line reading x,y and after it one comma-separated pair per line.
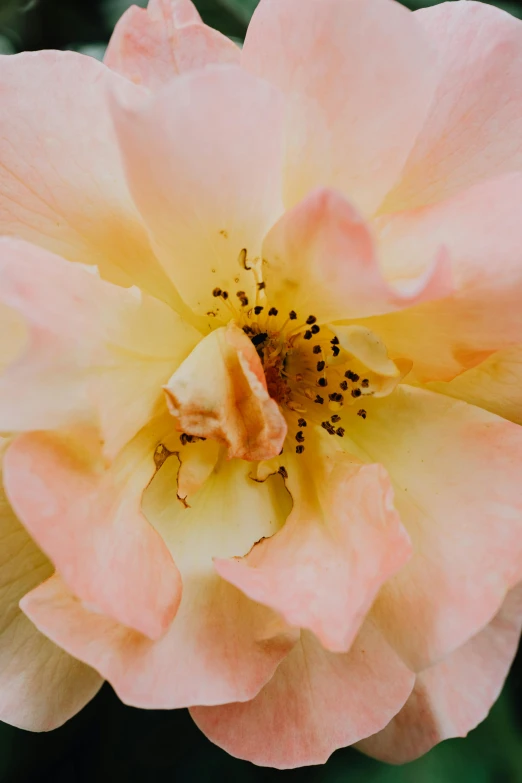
x,y
109,741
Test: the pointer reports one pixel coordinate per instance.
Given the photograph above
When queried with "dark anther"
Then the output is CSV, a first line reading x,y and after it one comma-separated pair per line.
x,y
362,413
335,418
261,286
328,427
292,315
224,294
283,472
316,349
340,432
335,341
184,438
336,350
301,422
352,376
344,385
336,397
299,449
243,259
365,383
356,392
258,309
273,311
308,335
243,298
319,400
315,329
248,330
322,382
300,437
311,319
217,292
259,338
320,366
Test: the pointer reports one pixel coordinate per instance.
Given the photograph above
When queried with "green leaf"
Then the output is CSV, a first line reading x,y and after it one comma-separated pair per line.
x,y
241,9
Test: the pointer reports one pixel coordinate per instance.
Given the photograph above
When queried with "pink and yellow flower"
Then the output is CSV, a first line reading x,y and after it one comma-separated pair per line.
x,y
260,398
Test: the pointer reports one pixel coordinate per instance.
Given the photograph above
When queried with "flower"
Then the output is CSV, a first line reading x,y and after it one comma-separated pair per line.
x,y
261,371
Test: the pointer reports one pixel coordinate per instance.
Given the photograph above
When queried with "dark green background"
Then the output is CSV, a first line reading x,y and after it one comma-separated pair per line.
x,y
111,742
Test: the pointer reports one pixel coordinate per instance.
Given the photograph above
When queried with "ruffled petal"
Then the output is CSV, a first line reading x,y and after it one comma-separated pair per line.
x,y
61,181
87,519
41,686
474,128
204,163
353,120
454,696
151,46
455,470
342,540
316,702
87,351
220,647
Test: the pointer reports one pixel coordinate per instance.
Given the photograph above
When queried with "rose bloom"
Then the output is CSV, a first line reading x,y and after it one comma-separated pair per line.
x,y
260,398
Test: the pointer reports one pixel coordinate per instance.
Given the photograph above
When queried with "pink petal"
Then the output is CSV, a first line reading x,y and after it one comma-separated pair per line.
x,y
221,646
220,392
316,702
204,164
342,540
352,119
91,352
481,231
152,46
61,181
454,696
321,258
88,520
455,470
41,686
474,128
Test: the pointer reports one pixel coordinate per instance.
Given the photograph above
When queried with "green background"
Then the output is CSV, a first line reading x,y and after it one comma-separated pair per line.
x,y
111,742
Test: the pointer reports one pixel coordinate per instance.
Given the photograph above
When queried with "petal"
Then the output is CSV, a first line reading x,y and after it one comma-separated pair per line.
x,y
320,258
87,519
474,128
220,392
316,702
152,46
353,120
342,540
61,181
41,686
92,351
220,647
495,385
455,470
204,164
482,233
454,696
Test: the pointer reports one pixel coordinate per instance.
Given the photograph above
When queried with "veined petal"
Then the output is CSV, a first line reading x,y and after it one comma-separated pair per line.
x,y
151,46
220,392
41,686
454,696
482,233
61,182
87,519
474,128
342,540
316,702
352,120
455,470
220,647
204,163
321,258
87,351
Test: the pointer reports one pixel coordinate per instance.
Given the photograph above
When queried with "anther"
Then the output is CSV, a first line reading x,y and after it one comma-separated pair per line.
x,y
365,383
259,338
283,472
217,292
243,260
344,385
320,366
311,319
322,382
340,432
248,330
319,400
300,437
299,449
336,350
292,315
335,397
273,311
258,310
352,376
224,294
301,422
362,413
335,418
335,341
356,392
261,286
243,298
308,335
317,349
315,329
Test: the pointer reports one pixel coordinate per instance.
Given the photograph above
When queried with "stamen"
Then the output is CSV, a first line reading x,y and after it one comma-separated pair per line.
x,y
365,383
299,449
308,335
320,366
217,292
243,259
283,472
319,400
356,392
322,382
352,376
317,349
311,319
315,329
362,413
340,432
336,350
243,298
292,315
273,311
302,422
344,385
335,418
258,309
300,437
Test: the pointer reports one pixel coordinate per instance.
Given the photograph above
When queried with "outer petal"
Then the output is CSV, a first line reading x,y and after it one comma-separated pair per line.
x,y
474,128
495,385
321,259
204,164
342,540
353,120
315,703
220,647
220,392
88,521
40,685
152,46
86,350
454,696
482,233
61,182
456,474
